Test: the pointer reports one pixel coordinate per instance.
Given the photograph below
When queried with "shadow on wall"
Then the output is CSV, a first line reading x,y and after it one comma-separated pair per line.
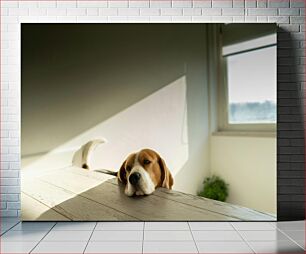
x,y
76,78
290,131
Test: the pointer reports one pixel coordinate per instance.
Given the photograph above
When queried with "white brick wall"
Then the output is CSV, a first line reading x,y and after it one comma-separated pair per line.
x,y
288,13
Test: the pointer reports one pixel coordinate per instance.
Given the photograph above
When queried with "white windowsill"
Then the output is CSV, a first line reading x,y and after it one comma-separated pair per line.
x,y
262,134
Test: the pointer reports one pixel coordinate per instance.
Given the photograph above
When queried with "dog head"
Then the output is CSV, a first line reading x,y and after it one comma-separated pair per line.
x,y
142,172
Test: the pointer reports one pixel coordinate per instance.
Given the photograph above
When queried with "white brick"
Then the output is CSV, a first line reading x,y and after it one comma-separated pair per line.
x,y
181,3
88,4
28,4
13,205
222,19
159,19
4,165
233,12
28,19
66,4
160,3
150,12
278,3
128,12
192,11
290,28
262,19
47,4
139,3
9,213
297,3
7,20
4,11
279,19
118,19
262,12
92,19
222,3
65,19
92,11
202,3
38,11
171,12
181,19
297,20
9,4
18,12
14,165
250,3
8,181
76,12
211,11
201,19
10,173
289,11
302,11
10,190
108,11
57,12
249,19
302,28
118,4
262,3
238,3
141,19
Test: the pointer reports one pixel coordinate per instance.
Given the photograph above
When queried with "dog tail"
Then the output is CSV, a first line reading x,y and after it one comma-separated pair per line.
x,y
82,157
106,171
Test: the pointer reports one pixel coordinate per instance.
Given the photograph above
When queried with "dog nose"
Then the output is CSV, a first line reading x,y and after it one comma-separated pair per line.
x,y
134,178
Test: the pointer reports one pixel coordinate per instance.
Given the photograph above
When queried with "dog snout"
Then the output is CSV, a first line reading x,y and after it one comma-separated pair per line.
x,y
134,178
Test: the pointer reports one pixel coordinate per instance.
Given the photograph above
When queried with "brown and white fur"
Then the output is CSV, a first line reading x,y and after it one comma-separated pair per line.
x,y
143,172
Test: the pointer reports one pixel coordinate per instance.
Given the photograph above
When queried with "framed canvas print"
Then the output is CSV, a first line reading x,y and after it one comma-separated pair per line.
x,y
148,122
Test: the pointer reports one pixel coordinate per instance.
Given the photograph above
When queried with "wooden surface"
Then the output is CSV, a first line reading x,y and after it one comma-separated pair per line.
x,y
76,194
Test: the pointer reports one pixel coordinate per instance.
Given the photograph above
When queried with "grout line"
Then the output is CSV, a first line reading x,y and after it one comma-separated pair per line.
x,y
143,231
42,238
10,228
247,243
193,237
90,236
290,238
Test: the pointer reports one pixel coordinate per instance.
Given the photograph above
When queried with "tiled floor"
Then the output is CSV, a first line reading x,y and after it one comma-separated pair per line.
x,y
152,237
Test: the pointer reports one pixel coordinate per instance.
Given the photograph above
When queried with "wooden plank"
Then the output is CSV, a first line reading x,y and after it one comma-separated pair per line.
x,y
144,208
73,206
35,210
235,211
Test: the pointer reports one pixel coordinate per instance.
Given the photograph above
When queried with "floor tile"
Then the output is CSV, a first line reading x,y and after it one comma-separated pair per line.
x,y
60,247
253,226
295,234
222,226
63,226
119,226
17,247
69,236
116,236
263,235
290,225
169,247
114,247
167,236
276,247
223,247
23,236
166,226
216,236
33,226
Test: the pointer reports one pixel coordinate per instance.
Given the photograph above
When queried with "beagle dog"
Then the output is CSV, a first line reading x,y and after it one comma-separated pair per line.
x,y
143,172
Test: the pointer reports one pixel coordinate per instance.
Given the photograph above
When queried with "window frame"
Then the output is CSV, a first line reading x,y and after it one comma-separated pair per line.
x,y
223,111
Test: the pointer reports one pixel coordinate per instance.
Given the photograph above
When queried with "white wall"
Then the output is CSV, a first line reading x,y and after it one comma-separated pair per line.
x,y
248,165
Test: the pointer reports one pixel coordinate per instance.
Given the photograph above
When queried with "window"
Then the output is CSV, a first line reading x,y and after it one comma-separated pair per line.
x,y
248,102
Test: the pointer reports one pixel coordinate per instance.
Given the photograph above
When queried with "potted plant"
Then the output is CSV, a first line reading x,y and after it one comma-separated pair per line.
x,y
214,188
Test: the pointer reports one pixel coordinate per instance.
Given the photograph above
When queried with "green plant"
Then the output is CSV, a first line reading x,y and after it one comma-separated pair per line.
x,y
214,188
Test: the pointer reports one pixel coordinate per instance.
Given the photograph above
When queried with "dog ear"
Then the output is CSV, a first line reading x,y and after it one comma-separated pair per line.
x,y
166,177
122,174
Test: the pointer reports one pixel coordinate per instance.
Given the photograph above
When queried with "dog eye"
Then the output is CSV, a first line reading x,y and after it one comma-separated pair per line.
x,y
128,168
146,162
